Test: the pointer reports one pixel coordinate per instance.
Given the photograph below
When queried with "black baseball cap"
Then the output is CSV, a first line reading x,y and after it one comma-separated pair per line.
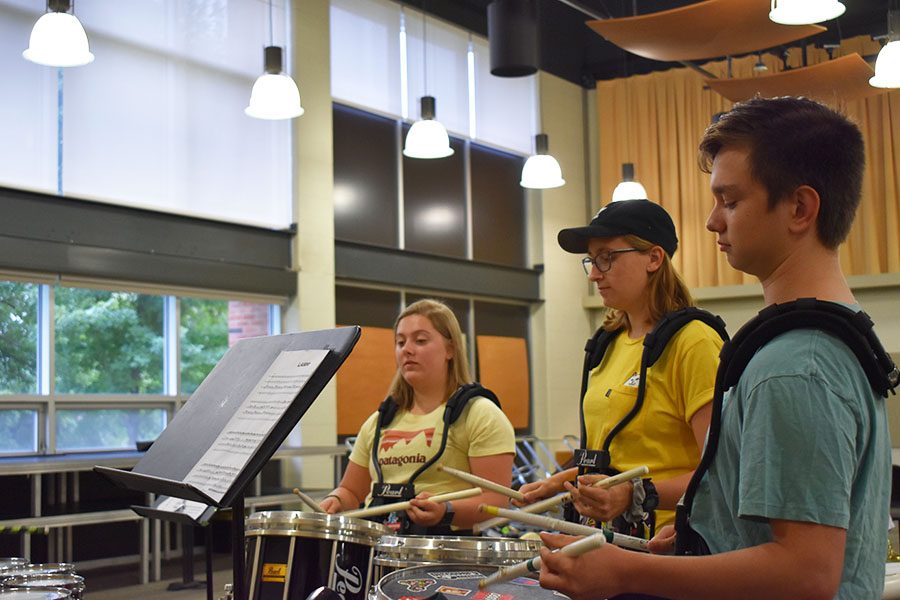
x,y
643,218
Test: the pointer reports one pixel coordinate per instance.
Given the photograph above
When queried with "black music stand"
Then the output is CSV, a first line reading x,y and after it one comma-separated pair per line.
x,y
217,412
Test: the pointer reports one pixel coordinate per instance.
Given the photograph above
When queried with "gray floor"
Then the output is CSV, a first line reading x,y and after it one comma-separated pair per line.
x,y
158,590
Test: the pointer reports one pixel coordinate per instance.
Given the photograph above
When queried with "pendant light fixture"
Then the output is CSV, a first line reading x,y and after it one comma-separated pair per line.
x,y
628,188
887,65
427,138
275,94
541,171
805,12
58,39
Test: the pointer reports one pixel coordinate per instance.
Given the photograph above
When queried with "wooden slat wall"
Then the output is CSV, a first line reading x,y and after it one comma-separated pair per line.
x,y
503,368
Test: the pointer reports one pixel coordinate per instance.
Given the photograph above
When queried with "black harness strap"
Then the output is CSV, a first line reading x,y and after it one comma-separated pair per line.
x,y
453,409
655,344
853,328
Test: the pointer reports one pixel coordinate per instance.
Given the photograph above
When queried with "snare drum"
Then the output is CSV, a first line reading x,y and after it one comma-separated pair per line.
x,y
28,594
290,554
11,561
67,581
458,581
398,552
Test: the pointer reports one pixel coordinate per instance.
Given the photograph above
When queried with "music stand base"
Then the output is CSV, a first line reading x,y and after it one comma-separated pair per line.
x,y
185,585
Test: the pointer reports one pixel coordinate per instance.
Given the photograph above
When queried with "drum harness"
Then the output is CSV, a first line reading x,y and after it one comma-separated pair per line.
x,y
853,328
383,493
642,513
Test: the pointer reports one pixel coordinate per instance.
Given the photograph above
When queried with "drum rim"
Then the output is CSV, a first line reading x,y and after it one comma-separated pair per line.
x,y
36,569
456,541
12,581
315,525
64,593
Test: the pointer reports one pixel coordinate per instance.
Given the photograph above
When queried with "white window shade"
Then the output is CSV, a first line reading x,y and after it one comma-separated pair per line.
x,y
365,54
156,121
505,106
447,73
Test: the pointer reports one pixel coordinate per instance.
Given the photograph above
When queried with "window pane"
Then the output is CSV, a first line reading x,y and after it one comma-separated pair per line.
x,y
107,429
190,148
209,328
18,431
434,200
498,207
108,342
366,70
18,338
365,177
204,339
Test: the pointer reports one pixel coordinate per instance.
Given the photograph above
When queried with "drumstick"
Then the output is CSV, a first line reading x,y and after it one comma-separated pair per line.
x,y
625,541
308,501
482,482
397,506
547,504
533,565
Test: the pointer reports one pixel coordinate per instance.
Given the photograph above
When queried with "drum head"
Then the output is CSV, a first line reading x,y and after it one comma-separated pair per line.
x,y
315,525
458,581
40,569
10,561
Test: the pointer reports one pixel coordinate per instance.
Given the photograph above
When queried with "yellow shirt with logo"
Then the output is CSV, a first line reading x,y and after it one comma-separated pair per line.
x,y
411,440
678,385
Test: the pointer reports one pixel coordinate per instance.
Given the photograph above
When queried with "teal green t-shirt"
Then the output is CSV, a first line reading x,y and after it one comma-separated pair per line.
x,y
804,438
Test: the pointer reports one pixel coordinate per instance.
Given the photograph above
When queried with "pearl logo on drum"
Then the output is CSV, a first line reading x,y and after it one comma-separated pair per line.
x,y
347,580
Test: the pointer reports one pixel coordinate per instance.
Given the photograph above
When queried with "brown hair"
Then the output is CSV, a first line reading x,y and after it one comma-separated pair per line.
x,y
793,142
666,290
445,323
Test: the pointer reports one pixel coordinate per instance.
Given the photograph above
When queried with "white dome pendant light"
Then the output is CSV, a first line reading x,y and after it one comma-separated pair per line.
x,y
628,188
275,94
58,39
805,12
427,138
541,170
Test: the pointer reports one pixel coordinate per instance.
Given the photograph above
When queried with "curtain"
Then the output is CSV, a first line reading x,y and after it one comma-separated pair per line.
x,y
656,121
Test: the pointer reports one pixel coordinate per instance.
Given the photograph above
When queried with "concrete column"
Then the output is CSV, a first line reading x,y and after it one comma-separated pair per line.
x,y
313,307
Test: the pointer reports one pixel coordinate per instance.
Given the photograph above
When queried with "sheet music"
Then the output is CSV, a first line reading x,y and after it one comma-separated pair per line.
x,y
259,412
186,507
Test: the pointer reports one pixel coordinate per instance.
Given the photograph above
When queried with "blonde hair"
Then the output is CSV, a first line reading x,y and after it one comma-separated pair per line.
x,y
666,290
445,323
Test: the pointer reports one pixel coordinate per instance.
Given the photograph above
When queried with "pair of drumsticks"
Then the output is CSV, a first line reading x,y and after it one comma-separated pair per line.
x,y
527,515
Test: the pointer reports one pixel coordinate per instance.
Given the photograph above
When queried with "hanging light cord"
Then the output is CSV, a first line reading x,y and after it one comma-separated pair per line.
x,y
425,48
271,29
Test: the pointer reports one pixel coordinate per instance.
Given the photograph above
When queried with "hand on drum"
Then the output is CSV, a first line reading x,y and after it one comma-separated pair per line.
x,y
331,505
425,512
537,490
586,577
597,503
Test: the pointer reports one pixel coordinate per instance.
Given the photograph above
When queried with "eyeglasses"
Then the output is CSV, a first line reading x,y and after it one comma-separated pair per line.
x,y
603,261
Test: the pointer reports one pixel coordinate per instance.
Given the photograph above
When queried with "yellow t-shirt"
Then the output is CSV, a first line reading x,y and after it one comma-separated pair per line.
x,y
411,440
680,383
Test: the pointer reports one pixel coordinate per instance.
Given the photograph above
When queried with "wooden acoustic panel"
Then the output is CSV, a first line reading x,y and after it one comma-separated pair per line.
x,y
364,378
841,79
699,31
503,368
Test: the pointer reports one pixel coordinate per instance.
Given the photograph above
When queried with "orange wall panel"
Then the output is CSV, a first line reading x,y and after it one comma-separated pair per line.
x,y
503,368
364,378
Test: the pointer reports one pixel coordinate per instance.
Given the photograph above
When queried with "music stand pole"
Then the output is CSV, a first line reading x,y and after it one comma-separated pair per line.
x,y
237,547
